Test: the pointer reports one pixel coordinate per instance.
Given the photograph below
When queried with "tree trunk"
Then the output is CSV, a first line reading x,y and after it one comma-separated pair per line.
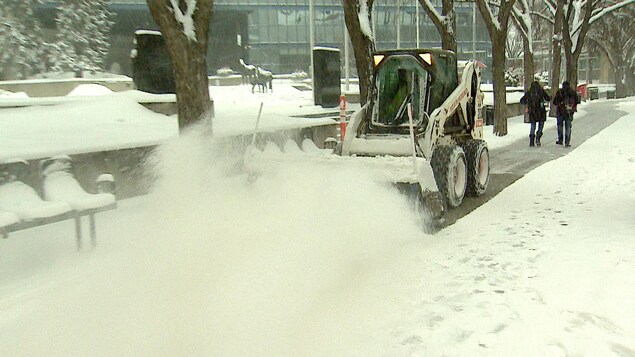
x,y
618,71
556,45
188,57
448,35
630,81
500,92
529,67
363,47
571,67
497,28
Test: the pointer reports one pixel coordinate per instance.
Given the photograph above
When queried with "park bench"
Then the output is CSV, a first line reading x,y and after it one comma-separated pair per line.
x,y
62,198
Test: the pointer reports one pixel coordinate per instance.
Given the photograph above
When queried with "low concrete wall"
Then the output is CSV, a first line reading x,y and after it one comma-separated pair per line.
x,y
133,177
61,87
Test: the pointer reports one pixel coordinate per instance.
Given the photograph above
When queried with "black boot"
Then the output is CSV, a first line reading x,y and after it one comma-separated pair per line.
x,y
531,140
538,139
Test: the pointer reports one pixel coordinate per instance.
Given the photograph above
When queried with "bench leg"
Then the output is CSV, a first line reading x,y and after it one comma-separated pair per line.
x,y
78,232
93,231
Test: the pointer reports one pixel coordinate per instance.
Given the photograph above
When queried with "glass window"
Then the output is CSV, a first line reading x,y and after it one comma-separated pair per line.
x,y
400,80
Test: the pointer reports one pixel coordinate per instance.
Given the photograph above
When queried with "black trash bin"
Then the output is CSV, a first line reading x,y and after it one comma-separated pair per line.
x,y
489,115
326,77
151,65
610,94
594,93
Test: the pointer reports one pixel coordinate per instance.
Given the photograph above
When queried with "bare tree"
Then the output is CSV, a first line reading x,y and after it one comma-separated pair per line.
x,y
555,15
514,43
445,22
497,21
574,29
614,35
185,26
521,17
357,15
572,20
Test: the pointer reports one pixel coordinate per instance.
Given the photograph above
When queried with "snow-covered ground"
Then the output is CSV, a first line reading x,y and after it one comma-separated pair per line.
x,y
110,121
306,261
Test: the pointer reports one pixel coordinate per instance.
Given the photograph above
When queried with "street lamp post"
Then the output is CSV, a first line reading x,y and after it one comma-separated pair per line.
x,y
474,31
347,67
311,42
398,21
417,19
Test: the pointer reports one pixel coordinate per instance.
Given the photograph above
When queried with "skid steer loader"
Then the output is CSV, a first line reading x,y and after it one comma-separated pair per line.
x,y
446,122
422,129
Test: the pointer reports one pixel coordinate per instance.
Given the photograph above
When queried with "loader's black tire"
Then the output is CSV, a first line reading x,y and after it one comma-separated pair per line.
x,y
450,172
477,155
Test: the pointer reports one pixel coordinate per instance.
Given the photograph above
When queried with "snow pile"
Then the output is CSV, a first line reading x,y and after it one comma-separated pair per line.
x,y
8,218
21,199
62,186
7,94
93,124
89,90
58,184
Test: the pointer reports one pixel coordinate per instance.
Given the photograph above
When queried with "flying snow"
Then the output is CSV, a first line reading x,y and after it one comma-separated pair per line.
x,y
224,263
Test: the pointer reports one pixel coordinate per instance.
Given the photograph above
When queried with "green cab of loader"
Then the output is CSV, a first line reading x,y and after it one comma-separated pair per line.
x,y
422,77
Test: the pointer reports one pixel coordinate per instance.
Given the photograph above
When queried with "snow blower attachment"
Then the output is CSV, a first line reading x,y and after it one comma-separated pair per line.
x,y
422,129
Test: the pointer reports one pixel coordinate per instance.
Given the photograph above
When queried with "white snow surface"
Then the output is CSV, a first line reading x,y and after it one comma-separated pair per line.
x,y
116,120
82,125
8,218
90,89
23,200
308,261
62,186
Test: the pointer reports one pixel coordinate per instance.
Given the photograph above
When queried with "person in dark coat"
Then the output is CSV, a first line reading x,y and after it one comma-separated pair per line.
x,y
566,101
535,100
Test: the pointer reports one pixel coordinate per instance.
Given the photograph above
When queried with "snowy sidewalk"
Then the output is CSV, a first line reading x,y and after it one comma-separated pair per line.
x,y
546,268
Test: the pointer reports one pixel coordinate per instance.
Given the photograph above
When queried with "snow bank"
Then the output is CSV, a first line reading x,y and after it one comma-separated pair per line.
x,y
89,90
93,124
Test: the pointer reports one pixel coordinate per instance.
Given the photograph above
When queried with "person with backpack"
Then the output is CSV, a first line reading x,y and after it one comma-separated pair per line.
x,y
535,100
566,101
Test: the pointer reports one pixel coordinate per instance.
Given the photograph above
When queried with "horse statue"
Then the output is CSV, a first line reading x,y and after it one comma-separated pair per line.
x,y
247,72
263,79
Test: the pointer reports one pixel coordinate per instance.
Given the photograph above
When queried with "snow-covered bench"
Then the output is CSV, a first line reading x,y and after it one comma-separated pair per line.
x,y
63,198
60,185
20,204
8,222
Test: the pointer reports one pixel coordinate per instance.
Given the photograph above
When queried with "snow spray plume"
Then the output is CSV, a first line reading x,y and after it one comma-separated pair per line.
x,y
303,261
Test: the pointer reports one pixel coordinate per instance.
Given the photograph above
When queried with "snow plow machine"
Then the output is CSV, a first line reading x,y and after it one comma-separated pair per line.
x,y
422,129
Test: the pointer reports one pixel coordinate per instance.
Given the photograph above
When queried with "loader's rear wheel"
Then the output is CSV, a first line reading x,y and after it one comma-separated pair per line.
x,y
450,172
477,156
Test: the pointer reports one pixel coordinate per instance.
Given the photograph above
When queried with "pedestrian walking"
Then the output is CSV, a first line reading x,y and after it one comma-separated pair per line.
x,y
535,100
566,101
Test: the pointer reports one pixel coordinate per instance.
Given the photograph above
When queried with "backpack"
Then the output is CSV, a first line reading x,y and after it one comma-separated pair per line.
x,y
569,105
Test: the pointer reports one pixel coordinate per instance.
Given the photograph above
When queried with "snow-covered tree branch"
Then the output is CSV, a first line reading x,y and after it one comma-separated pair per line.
x,y
185,17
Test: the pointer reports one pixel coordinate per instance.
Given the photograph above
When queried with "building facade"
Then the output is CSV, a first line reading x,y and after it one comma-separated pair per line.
x,y
274,34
